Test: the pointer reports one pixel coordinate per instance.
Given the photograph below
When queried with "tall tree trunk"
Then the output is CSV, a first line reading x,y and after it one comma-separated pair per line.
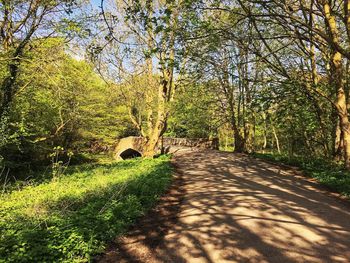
x,y
337,81
160,126
264,132
248,136
276,139
239,141
157,126
338,143
344,125
151,85
150,147
8,89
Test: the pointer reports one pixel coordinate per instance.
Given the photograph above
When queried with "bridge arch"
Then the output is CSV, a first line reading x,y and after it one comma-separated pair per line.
x,y
129,153
130,147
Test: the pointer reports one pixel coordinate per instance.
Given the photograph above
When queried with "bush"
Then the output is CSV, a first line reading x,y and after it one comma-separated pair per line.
x,y
71,218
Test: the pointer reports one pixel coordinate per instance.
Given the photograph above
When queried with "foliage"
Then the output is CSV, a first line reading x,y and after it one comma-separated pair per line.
x,y
328,173
24,25
63,103
146,58
194,114
270,76
69,219
303,123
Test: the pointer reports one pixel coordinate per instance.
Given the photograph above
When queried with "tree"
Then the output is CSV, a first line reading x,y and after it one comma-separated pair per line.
x,y
65,104
232,70
314,28
21,22
195,113
146,59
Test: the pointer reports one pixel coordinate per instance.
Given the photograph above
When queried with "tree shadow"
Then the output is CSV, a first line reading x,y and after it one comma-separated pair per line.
x,y
233,208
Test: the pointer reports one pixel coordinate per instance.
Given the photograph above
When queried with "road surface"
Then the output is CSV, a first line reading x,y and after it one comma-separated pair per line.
x,y
225,207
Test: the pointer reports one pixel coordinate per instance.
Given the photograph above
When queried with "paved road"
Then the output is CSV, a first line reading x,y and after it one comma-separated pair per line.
x,y
232,208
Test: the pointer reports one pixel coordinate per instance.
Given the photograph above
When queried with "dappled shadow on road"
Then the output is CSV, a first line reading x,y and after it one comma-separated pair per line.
x,y
232,208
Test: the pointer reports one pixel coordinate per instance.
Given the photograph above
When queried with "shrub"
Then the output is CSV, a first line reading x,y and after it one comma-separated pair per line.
x,y
70,219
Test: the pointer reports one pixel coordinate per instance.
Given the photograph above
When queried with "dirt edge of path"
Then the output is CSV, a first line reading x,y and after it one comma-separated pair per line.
x,y
151,227
298,172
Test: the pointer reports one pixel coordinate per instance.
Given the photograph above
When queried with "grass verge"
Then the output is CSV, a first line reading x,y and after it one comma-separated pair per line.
x,y
330,174
71,218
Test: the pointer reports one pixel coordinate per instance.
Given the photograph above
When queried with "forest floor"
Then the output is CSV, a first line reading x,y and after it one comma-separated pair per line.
x,y
225,207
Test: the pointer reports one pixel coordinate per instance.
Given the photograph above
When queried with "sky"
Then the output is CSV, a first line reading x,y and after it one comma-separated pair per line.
x,y
95,3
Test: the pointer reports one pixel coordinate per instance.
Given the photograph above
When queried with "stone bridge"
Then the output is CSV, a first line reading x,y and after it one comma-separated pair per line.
x,y
131,147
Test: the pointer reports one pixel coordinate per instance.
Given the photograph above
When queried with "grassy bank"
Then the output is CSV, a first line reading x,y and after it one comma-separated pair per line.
x,y
70,219
327,173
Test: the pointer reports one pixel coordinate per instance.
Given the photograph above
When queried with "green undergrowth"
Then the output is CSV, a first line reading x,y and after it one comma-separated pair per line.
x,y
71,218
330,174
20,175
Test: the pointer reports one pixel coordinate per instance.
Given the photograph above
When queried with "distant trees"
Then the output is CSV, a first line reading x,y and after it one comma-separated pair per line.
x,y
226,66
274,71
271,74
147,57
21,22
315,35
194,113
24,28
281,69
64,103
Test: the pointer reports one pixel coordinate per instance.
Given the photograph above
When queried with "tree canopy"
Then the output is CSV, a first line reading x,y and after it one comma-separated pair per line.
x,y
267,76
